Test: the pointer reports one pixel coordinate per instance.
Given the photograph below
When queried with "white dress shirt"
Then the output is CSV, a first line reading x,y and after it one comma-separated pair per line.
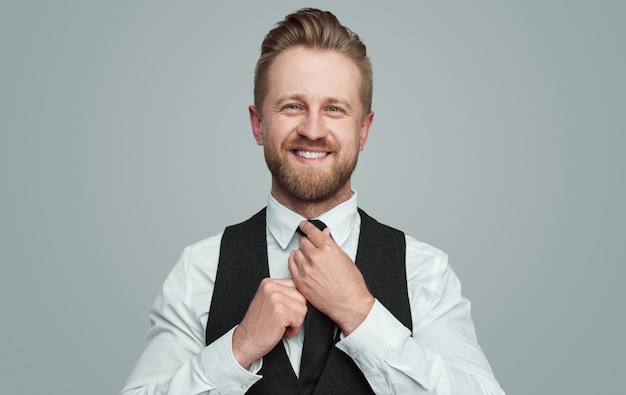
x,y
440,356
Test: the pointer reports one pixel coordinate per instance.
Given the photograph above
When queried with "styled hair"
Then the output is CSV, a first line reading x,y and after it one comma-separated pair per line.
x,y
316,29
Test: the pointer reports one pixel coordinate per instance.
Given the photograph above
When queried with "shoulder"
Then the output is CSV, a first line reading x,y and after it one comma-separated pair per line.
x,y
428,269
419,248
424,260
202,250
195,268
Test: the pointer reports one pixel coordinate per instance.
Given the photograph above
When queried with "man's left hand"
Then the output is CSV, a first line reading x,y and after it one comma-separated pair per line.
x,y
329,280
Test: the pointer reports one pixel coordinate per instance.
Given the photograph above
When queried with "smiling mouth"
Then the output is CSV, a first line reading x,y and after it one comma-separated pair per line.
x,y
310,154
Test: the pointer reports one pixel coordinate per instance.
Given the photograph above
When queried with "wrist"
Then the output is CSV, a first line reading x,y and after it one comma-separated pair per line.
x,y
356,314
238,349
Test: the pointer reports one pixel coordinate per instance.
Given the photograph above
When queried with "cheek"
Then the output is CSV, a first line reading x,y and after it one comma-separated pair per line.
x,y
279,131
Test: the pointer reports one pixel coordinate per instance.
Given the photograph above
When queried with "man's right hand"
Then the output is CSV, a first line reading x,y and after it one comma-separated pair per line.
x,y
277,309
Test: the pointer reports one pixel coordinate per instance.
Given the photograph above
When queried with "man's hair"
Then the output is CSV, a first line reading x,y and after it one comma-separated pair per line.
x,y
316,29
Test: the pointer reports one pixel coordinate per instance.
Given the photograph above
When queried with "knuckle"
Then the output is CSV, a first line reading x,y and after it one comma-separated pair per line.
x,y
326,247
274,298
268,285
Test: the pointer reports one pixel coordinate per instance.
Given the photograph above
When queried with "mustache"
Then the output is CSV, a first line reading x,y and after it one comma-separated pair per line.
x,y
302,142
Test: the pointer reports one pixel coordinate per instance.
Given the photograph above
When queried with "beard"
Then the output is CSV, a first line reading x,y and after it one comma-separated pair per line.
x,y
310,184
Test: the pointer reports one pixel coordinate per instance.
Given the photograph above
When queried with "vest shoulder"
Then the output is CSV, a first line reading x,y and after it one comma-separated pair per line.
x,y
256,219
366,219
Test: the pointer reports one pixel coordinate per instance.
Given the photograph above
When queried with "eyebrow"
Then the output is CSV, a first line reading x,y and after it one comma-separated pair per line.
x,y
298,97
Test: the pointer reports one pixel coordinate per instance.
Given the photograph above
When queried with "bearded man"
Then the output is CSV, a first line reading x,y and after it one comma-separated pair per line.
x,y
312,295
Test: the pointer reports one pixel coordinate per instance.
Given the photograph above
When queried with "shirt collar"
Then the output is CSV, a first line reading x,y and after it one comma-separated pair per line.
x,y
341,220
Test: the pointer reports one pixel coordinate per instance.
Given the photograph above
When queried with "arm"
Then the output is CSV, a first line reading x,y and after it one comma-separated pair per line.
x,y
441,355
175,359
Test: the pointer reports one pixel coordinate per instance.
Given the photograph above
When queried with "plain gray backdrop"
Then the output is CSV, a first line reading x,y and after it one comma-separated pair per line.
x,y
498,137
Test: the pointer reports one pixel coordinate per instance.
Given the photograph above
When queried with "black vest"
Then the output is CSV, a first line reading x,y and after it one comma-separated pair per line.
x,y
243,264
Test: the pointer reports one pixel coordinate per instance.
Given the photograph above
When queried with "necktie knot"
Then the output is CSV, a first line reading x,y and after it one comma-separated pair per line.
x,y
318,224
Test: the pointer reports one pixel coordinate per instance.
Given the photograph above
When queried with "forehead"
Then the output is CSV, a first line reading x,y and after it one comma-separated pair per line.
x,y
313,73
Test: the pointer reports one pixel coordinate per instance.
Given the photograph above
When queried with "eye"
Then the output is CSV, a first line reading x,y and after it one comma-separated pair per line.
x,y
335,111
292,107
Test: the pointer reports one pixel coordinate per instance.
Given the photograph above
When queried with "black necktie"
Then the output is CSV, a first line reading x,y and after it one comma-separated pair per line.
x,y
318,339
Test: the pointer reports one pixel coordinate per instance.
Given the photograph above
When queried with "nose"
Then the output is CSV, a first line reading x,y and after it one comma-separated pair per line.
x,y
312,127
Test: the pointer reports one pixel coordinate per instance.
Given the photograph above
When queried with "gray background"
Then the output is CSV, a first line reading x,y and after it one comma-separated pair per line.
x,y
498,137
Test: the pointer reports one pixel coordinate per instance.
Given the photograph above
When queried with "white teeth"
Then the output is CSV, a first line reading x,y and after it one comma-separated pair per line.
x,y
311,155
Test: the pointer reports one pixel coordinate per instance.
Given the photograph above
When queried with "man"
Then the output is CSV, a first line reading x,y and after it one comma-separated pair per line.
x,y
238,312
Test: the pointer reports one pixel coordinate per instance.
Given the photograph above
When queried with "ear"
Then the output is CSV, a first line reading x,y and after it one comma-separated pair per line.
x,y
366,124
257,124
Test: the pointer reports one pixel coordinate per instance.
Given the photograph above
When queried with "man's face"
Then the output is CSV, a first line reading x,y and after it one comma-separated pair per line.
x,y
312,124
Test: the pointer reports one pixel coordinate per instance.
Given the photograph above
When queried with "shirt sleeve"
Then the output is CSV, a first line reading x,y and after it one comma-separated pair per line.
x,y
175,359
441,355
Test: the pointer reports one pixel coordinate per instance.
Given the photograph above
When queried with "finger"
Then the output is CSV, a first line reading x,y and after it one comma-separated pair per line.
x,y
283,286
294,294
306,245
292,265
291,332
284,281
316,236
296,325
296,259
310,248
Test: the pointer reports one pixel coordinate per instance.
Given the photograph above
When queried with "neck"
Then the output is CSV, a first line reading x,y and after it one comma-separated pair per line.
x,y
307,209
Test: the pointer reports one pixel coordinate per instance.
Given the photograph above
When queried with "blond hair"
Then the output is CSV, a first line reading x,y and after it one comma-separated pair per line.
x,y
315,29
